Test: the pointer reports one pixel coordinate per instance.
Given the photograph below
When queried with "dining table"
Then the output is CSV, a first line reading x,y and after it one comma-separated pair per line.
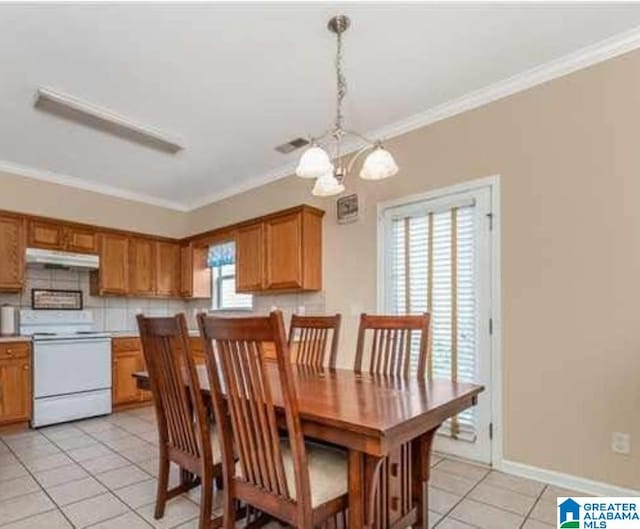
x,y
385,423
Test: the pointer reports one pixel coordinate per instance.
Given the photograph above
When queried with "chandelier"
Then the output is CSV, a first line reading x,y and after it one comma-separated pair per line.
x,y
331,172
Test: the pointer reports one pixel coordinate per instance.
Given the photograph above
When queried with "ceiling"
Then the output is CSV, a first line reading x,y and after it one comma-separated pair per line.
x,y
232,81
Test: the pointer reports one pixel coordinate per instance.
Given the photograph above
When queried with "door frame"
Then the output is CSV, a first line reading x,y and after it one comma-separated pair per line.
x,y
493,182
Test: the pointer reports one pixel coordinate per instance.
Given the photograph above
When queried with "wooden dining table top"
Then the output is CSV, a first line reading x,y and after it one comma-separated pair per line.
x,y
373,412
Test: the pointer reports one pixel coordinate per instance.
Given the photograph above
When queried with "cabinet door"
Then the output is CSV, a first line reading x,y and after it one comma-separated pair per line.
x,y
81,240
142,267
250,258
283,246
195,275
15,390
47,235
167,268
125,389
114,264
12,248
186,271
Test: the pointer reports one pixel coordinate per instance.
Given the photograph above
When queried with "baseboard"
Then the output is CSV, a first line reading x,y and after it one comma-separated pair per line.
x,y
567,481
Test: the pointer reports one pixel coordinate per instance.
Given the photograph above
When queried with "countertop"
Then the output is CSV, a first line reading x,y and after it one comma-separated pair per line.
x,y
14,338
114,334
136,334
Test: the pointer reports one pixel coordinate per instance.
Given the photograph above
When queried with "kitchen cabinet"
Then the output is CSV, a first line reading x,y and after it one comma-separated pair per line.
x,y
47,235
52,235
80,240
127,358
12,250
167,268
15,382
195,275
250,258
113,276
281,253
283,259
142,267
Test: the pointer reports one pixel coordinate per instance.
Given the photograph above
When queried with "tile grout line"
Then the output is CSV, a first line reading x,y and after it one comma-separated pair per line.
x,y
535,504
56,507
134,463
462,498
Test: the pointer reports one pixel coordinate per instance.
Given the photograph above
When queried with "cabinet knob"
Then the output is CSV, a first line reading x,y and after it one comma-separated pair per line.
x,y
25,367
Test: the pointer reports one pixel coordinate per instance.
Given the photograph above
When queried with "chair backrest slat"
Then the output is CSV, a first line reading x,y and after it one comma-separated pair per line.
x,y
180,410
241,380
309,335
390,339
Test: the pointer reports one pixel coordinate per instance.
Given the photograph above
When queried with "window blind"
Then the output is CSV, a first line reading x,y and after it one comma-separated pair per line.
x,y
433,270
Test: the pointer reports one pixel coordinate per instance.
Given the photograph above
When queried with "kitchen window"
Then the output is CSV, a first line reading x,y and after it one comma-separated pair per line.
x,y
222,261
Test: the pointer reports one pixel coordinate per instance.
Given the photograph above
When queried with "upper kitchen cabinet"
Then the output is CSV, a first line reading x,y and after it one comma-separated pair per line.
x,y
52,235
81,240
281,252
142,267
250,258
12,250
47,235
113,276
195,275
167,268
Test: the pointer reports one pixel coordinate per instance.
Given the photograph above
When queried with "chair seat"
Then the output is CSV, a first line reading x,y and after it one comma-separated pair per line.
x,y
328,472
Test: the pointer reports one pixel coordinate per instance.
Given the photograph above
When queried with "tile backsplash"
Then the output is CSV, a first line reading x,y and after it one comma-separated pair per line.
x,y
114,314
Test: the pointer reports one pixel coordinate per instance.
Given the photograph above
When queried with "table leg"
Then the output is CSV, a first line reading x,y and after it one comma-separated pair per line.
x,y
421,451
363,481
356,492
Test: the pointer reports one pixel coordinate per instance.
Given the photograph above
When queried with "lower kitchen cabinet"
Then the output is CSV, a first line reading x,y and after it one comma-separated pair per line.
x,y
127,358
15,382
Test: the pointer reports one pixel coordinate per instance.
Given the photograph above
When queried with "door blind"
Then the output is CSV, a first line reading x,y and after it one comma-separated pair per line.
x,y
433,270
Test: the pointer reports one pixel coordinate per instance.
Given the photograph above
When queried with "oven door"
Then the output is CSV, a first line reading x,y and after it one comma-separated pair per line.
x,y
62,367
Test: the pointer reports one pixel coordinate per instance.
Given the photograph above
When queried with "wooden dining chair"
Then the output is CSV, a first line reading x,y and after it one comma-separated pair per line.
x,y
299,484
390,346
186,436
310,335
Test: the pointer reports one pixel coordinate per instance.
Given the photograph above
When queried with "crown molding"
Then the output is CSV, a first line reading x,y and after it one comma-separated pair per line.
x,y
87,185
263,179
578,60
572,62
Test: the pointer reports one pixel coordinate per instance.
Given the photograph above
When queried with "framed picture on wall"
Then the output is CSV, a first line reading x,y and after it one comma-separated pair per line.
x,y
50,299
348,210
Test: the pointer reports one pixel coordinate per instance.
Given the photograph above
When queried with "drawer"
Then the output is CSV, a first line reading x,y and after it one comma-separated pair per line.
x,y
125,344
9,350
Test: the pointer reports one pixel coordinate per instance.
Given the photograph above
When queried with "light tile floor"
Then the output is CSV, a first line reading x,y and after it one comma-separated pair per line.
x,y
100,473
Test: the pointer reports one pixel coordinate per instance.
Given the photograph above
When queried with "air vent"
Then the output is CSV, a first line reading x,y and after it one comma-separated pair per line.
x,y
291,146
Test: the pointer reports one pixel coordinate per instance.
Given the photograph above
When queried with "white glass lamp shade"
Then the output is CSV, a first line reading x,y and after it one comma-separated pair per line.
x,y
327,185
314,163
378,164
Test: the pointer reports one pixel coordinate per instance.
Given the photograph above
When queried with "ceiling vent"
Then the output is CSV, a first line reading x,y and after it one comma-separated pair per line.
x,y
72,109
291,146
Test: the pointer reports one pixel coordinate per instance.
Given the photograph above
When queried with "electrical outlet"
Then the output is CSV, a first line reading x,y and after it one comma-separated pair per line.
x,y
621,443
301,310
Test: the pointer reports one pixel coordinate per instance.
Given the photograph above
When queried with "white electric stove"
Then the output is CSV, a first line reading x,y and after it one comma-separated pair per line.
x,y
71,365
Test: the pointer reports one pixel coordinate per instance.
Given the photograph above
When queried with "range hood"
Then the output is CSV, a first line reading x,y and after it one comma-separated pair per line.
x,y
52,258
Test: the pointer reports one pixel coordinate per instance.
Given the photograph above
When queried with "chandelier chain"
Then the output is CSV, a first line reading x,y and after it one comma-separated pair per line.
x,y
341,84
